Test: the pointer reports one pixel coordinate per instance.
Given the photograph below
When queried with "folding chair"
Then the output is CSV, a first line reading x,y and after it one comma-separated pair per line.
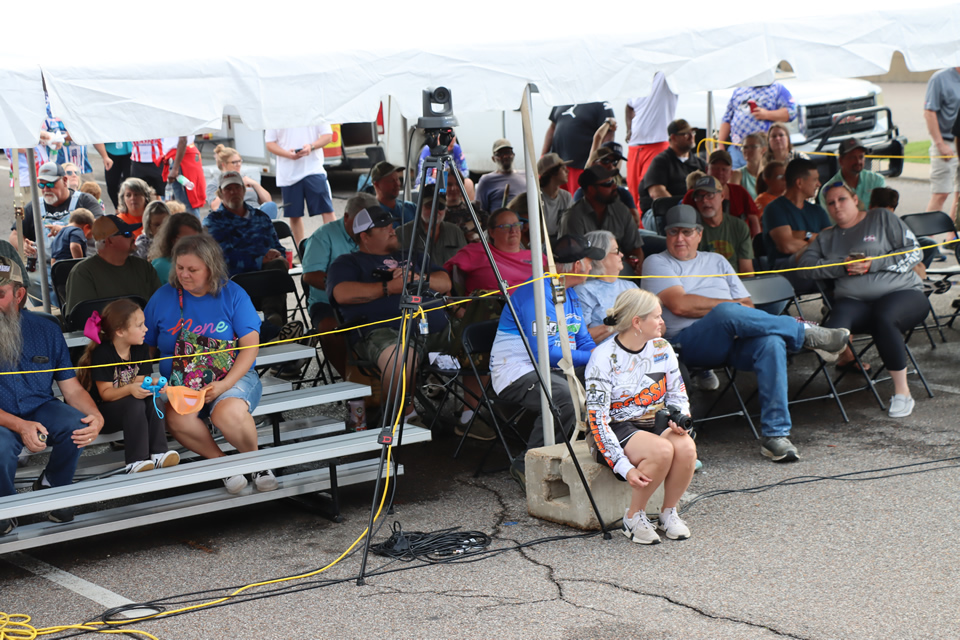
x,y
660,207
83,310
773,289
58,275
271,283
871,377
928,224
478,340
283,231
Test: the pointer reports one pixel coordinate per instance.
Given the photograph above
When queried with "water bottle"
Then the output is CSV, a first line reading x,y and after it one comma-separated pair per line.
x,y
168,194
182,179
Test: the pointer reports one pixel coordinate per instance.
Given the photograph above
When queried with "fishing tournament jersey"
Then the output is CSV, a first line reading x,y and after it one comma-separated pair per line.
x,y
624,385
508,357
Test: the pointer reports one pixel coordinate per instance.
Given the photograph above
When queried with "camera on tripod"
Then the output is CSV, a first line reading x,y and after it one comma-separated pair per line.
x,y
438,120
672,412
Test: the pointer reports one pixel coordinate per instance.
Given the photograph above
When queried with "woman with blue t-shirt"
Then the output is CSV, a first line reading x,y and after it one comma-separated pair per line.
x,y
200,311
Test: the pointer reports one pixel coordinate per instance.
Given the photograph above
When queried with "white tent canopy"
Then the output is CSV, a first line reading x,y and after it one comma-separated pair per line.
x,y
122,73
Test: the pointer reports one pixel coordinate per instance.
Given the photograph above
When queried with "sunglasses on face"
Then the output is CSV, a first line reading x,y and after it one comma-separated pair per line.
x,y
71,173
609,160
47,185
508,227
676,231
608,183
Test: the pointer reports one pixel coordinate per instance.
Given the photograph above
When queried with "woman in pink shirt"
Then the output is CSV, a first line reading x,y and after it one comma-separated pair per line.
x,y
470,267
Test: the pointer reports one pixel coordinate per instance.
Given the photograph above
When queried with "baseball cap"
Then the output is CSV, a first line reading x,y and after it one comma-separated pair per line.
x,y
616,147
109,226
848,145
382,169
593,175
720,155
550,161
572,248
50,172
9,272
708,184
427,195
681,215
678,126
501,143
605,152
370,218
230,177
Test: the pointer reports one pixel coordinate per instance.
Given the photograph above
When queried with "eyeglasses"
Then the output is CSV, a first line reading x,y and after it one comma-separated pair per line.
x,y
47,185
703,195
71,173
237,162
508,227
607,183
676,231
615,253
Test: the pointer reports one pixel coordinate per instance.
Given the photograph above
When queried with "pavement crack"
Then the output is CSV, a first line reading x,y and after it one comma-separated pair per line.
x,y
685,605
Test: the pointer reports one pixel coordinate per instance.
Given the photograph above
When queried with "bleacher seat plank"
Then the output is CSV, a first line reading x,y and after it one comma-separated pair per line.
x,y
174,507
122,486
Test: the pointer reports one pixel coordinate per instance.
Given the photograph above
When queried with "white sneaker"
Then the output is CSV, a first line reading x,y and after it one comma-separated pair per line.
x,y
900,406
165,459
235,484
639,529
265,480
672,526
708,381
138,466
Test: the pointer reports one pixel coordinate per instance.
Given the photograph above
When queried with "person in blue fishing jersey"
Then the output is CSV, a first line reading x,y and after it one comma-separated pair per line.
x,y
513,375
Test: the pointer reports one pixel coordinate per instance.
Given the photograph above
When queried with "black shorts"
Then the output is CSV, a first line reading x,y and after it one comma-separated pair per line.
x,y
623,431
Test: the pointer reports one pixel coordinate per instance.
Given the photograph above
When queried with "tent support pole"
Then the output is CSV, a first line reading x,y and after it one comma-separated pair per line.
x,y
38,232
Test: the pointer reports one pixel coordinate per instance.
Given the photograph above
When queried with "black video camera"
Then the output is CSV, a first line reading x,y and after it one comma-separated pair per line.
x,y
672,412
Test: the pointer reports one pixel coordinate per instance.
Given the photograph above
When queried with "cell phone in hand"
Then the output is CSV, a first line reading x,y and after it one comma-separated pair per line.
x,y
753,105
298,150
857,255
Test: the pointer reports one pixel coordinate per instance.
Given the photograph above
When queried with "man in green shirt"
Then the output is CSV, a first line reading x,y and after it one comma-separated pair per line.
x,y
851,156
722,233
113,272
447,237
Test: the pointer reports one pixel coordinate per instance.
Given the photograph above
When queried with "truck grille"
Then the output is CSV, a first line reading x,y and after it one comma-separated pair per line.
x,y
818,117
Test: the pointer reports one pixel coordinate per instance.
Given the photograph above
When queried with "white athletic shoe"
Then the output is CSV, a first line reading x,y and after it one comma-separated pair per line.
x,y
639,529
672,526
900,406
138,466
235,484
265,480
165,459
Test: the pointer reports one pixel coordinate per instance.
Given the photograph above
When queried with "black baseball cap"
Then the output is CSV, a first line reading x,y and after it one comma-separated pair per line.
x,y
572,248
848,145
593,175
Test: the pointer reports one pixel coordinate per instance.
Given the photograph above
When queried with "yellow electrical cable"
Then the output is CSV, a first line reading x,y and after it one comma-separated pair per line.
x,y
820,153
21,630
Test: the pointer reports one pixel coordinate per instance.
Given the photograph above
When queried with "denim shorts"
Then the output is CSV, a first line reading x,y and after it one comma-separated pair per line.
x,y
248,388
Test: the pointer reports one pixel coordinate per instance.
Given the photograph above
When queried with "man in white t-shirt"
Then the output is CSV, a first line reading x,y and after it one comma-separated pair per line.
x,y
647,121
711,321
300,173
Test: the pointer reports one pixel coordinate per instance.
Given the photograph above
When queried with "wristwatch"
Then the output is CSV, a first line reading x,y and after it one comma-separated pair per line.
x,y
808,236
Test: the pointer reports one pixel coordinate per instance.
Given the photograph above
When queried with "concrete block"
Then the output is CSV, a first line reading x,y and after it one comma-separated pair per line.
x,y
555,493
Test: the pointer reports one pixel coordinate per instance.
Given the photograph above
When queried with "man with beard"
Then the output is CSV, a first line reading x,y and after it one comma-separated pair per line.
x,y
29,414
667,175
722,233
491,187
458,212
602,210
113,272
388,185
446,239
57,202
369,283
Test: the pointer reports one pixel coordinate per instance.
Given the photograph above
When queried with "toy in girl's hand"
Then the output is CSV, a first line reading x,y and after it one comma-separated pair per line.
x,y
154,388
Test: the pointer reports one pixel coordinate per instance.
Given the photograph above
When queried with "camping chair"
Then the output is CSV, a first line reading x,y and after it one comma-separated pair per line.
x,y
58,276
660,207
873,376
478,340
928,224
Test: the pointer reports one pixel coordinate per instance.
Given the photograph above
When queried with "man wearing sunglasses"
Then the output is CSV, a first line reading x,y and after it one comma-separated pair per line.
x,y
609,157
713,321
113,272
601,210
722,233
446,238
57,202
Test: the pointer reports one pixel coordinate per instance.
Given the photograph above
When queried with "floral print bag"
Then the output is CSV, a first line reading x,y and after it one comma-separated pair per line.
x,y
198,371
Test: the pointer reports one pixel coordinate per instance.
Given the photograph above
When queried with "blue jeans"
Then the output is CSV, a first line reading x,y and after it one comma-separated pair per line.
x,y
180,194
749,340
60,420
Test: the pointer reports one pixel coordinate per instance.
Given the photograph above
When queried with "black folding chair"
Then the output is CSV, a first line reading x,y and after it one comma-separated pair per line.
x,y
873,376
660,207
271,283
927,224
477,342
58,275
83,310
283,231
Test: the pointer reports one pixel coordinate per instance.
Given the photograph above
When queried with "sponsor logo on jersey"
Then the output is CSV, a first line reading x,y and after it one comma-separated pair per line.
x,y
659,343
659,357
645,397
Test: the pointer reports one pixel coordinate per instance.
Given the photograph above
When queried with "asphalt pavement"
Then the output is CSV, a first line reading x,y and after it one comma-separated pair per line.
x,y
853,541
